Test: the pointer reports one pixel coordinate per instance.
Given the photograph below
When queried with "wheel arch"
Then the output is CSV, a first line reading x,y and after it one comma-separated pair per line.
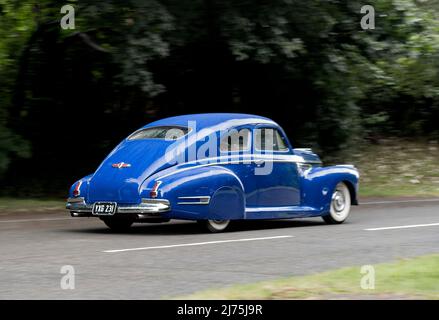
x,y
352,191
227,203
220,184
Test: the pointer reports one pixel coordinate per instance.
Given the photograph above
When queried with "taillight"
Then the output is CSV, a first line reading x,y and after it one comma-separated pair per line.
x,y
77,191
154,191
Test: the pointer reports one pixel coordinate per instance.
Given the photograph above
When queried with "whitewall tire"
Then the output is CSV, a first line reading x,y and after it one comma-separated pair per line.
x,y
340,205
216,225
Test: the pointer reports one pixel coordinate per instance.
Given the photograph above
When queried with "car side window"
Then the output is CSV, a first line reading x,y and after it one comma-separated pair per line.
x,y
269,139
236,140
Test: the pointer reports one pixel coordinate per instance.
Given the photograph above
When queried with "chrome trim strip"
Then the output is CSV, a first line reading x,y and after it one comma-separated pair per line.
x,y
75,200
152,201
145,209
304,149
293,208
195,197
146,206
243,160
202,200
78,205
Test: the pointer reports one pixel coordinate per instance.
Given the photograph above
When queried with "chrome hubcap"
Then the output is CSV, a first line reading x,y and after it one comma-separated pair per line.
x,y
339,201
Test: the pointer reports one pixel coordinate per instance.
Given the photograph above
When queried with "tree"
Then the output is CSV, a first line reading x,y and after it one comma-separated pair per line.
x,y
308,65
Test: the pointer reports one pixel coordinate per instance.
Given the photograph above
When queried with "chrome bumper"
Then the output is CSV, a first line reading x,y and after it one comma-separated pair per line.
x,y
78,207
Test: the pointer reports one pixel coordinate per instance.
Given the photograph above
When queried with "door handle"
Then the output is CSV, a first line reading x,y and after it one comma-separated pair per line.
x,y
259,162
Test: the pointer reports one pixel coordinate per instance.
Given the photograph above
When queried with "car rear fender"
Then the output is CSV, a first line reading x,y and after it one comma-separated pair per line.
x,y
202,192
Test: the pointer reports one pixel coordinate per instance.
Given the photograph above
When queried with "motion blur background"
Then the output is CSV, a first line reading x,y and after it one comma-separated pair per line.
x,y
67,97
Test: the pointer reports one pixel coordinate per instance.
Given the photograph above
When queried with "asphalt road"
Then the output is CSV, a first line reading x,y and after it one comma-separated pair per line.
x,y
165,260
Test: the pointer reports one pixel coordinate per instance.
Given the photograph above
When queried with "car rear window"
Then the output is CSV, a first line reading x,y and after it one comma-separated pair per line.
x,y
163,132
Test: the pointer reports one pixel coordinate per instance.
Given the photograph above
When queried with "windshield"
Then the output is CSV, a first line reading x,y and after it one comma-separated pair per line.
x,y
164,132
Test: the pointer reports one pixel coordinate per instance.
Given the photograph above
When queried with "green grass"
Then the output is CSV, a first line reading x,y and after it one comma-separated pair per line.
x,y
416,278
398,168
14,204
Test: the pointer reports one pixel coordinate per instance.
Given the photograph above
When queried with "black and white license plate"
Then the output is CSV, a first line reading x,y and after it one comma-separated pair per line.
x,y
104,208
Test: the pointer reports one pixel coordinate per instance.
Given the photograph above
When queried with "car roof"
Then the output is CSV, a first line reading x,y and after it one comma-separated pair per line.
x,y
204,120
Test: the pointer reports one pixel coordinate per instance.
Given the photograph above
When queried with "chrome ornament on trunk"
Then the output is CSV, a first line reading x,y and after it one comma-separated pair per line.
x,y
121,165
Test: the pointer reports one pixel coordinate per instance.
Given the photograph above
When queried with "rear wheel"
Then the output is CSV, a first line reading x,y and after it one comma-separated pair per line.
x,y
215,225
118,224
340,205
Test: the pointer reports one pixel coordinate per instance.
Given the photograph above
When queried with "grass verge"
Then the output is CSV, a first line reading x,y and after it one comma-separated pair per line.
x,y
16,205
397,167
416,278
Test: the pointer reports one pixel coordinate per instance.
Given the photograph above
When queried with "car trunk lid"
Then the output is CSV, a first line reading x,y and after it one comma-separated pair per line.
x,y
121,174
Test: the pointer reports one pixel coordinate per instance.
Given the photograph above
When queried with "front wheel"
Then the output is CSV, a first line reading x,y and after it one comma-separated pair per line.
x,y
215,225
340,205
118,224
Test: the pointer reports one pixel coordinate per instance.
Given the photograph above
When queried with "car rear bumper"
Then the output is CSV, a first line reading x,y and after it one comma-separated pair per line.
x,y
147,208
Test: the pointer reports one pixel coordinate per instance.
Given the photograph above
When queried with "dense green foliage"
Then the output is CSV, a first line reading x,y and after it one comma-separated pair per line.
x,y
68,96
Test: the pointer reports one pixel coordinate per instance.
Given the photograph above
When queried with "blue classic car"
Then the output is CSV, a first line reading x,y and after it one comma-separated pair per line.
x,y
212,168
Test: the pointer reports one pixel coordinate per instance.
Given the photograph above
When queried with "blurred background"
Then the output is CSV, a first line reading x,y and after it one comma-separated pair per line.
x,y
369,97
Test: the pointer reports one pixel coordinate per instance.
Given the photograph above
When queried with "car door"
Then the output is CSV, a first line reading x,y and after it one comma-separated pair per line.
x,y
275,172
235,152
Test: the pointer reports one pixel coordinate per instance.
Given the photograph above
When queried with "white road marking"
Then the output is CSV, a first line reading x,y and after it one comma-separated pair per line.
x,y
197,244
404,227
400,201
33,220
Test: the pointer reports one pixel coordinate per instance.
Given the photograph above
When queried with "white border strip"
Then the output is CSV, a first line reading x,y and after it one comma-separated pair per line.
x,y
197,244
400,201
404,227
34,220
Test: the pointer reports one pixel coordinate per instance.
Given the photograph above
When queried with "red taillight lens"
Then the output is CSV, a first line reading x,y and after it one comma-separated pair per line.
x,y
77,190
154,191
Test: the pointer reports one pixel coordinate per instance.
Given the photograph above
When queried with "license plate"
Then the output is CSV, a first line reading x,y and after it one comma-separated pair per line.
x,y
104,208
